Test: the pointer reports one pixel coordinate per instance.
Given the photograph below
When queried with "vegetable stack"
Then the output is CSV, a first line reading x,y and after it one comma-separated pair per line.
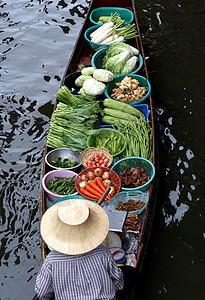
x,y
130,122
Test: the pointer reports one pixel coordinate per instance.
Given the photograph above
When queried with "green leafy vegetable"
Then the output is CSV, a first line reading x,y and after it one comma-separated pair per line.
x,y
64,95
93,87
70,126
87,71
81,79
103,75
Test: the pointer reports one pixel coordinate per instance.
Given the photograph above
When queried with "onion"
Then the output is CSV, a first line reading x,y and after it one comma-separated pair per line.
x,y
98,172
83,183
107,182
90,175
106,175
84,177
112,191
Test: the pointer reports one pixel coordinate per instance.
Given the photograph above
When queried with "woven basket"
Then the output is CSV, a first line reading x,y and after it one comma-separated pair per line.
x,y
89,152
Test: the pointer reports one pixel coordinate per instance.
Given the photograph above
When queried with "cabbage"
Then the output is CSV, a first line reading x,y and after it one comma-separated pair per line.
x,y
116,48
92,87
103,75
80,80
116,63
87,71
82,92
130,65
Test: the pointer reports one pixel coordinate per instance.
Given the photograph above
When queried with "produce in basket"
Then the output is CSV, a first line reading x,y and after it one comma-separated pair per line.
x,y
92,182
128,90
62,185
120,58
98,160
134,177
111,32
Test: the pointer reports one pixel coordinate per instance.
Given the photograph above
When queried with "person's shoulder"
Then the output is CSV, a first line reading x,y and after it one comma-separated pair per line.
x,y
54,256
101,249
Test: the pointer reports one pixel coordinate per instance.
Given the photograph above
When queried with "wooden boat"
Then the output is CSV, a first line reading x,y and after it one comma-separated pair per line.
x,y
82,54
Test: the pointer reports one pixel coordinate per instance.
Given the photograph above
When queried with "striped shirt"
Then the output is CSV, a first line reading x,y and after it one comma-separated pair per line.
x,y
90,276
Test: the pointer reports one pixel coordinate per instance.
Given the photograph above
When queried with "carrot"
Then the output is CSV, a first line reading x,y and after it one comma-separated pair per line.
x,y
88,194
92,191
100,184
94,186
98,189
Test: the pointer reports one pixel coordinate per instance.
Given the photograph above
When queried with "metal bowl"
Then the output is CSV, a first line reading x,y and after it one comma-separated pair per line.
x,y
64,153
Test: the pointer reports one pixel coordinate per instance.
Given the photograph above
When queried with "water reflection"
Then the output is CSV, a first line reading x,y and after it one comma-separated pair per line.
x,y
34,37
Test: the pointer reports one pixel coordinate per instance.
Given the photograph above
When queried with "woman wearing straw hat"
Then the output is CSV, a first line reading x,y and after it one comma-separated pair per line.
x,y
79,267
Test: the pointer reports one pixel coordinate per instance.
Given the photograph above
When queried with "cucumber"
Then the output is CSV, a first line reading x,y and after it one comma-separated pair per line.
x,y
124,107
119,114
112,120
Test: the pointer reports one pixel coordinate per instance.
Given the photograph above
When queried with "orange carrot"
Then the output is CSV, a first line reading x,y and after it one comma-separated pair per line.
x,y
88,194
98,189
92,191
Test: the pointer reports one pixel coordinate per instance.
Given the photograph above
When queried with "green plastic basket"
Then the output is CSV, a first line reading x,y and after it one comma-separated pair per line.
x,y
142,80
130,162
132,195
91,141
97,58
70,197
124,13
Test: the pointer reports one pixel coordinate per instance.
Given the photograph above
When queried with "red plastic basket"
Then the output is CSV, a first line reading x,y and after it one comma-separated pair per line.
x,y
115,179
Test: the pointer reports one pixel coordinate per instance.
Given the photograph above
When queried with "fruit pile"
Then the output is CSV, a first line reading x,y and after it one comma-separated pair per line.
x,y
97,160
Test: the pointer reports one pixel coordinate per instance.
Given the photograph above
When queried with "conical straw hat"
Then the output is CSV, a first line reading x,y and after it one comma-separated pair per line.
x,y
74,226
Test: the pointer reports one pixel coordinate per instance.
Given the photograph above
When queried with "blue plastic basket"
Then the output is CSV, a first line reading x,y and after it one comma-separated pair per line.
x,y
143,108
130,162
131,195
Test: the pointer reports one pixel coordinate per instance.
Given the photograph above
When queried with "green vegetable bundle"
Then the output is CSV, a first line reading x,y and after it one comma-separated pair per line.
x,y
64,95
70,126
130,122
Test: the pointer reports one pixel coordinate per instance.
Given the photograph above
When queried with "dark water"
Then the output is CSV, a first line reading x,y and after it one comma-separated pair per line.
x,y
37,38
